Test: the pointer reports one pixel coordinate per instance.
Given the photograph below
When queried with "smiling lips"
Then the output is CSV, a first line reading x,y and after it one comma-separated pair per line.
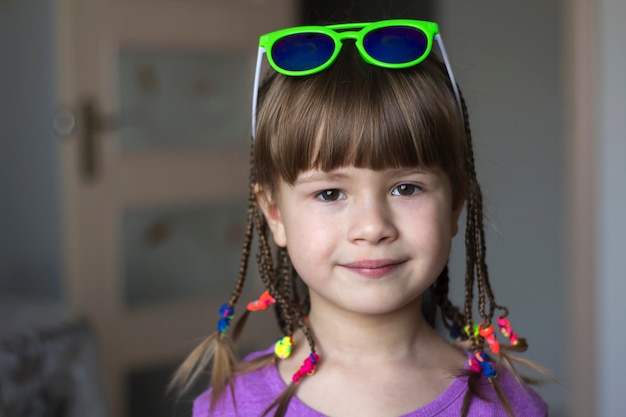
x,y
374,268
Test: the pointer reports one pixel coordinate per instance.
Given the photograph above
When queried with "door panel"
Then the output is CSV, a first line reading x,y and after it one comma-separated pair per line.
x,y
154,232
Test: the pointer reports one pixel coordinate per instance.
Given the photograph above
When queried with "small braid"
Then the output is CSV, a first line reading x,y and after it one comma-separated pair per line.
x,y
280,283
475,211
286,288
477,267
245,253
265,261
469,267
218,347
475,254
490,295
481,267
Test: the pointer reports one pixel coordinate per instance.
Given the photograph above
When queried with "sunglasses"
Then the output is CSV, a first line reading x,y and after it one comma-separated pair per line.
x,y
306,50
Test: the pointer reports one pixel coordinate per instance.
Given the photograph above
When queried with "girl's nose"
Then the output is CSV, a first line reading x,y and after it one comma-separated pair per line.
x,y
371,222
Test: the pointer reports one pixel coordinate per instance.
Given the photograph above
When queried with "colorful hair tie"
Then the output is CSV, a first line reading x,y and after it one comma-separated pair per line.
x,y
227,314
489,334
480,363
507,331
263,303
473,331
307,368
283,346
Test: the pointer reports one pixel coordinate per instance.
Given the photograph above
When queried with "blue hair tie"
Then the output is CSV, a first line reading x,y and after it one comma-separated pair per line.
x,y
480,363
227,314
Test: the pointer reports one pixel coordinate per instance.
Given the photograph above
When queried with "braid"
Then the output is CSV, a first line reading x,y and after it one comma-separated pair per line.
x,y
218,347
475,212
477,268
285,287
245,258
282,402
488,289
469,267
245,253
307,333
271,279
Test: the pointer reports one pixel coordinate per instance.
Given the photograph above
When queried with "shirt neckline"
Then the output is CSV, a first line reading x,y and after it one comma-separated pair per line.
x,y
446,399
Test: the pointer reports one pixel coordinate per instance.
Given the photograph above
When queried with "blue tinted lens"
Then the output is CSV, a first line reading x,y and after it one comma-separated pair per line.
x,y
395,45
303,51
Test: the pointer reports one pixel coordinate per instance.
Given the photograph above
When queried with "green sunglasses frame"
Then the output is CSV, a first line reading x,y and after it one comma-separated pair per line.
x,y
356,32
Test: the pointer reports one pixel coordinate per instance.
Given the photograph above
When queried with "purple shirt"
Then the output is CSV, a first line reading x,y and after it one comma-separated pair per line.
x,y
256,390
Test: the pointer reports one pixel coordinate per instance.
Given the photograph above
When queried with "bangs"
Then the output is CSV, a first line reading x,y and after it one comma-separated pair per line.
x,y
355,114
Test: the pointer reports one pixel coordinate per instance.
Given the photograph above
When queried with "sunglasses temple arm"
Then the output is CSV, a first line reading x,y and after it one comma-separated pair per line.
x,y
455,88
255,90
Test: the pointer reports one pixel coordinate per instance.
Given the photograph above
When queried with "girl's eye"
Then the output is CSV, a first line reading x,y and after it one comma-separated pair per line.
x,y
405,190
331,195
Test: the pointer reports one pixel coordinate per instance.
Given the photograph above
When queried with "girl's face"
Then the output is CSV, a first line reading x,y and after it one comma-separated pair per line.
x,y
364,241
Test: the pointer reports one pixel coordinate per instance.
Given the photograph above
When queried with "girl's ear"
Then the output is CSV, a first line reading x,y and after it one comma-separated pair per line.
x,y
271,211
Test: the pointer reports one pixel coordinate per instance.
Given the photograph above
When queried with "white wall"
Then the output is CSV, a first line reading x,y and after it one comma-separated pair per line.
x,y
507,58
610,338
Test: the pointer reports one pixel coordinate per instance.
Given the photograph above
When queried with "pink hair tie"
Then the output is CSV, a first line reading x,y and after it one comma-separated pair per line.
x,y
307,368
507,331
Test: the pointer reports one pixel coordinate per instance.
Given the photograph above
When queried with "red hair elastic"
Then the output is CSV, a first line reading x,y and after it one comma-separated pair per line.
x,y
307,368
489,334
263,303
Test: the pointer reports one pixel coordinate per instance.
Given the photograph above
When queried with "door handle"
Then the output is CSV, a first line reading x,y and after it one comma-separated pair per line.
x,y
89,124
88,145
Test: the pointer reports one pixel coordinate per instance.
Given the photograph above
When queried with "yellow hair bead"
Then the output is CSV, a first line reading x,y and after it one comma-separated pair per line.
x,y
282,348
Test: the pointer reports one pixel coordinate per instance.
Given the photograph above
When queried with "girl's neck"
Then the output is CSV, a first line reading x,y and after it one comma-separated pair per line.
x,y
399,335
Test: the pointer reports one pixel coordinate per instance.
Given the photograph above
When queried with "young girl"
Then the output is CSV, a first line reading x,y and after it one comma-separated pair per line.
x,y
362,162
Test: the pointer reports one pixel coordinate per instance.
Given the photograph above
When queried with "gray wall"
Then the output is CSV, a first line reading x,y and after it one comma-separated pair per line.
x,y
507,58
609,338
30,237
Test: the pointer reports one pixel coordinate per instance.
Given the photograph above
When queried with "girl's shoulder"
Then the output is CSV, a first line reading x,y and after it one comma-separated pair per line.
x,y
523,400
252,392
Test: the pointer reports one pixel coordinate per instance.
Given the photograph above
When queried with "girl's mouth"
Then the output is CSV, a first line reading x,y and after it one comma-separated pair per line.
x,y
374,268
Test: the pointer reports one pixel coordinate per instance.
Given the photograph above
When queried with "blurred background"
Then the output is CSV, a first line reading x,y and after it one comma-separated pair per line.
x,y
124,128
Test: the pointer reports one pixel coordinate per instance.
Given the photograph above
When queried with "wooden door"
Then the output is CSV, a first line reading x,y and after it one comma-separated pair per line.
x,y
155,174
